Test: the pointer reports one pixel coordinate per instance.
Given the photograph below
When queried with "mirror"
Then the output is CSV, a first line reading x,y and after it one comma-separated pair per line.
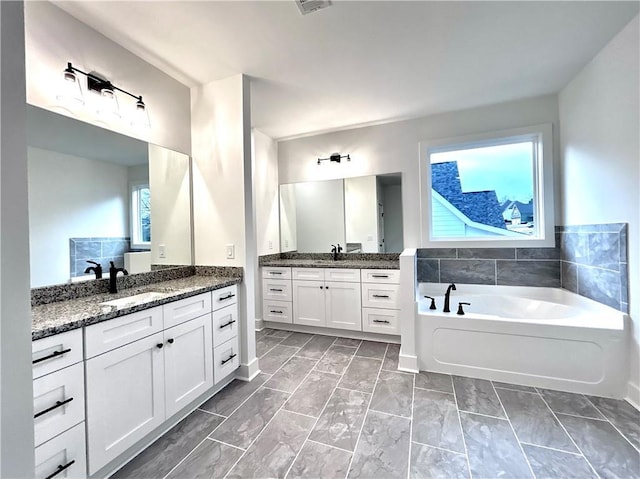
x,y
363,214
98,195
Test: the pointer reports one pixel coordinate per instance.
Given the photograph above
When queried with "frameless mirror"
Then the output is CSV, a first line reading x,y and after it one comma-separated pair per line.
x,y
96,195
363,214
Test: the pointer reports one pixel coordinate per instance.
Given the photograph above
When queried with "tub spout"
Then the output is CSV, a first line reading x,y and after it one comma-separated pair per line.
x,y
447,296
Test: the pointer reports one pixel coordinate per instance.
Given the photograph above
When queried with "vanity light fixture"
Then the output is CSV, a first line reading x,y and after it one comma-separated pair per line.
x,y
334,157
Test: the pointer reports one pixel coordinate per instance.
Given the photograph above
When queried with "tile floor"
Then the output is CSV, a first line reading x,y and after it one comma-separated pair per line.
x,y
328,407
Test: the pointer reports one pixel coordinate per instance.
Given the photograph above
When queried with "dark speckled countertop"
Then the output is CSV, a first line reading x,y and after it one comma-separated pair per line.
x,y
342,263
55,318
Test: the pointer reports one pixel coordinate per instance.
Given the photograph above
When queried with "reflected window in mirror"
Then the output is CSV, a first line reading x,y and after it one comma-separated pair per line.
x,y
140,216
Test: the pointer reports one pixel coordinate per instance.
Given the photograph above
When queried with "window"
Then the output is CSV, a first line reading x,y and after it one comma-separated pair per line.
x,y
140,216
488,190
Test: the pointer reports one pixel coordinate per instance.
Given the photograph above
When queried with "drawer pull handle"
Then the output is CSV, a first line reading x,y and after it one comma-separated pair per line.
x,y
275,272
229,296
170,340
381,321
228,359
159,345
380,296
49,409
274,311
222,326
276,290
54,354
379,275
60,469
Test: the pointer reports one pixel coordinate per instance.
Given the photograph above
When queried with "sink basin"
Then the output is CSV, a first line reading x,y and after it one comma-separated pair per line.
x,y
134,300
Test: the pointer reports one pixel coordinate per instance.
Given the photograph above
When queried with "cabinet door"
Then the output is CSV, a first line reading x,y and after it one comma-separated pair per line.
x,y
188,362
343,305
308,303
125,398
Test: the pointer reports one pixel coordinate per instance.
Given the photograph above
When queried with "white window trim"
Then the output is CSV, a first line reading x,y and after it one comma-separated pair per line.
x,y
543,182
133,216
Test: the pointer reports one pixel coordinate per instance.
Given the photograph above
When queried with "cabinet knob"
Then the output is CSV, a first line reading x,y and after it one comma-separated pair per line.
x,y
170,341
159,345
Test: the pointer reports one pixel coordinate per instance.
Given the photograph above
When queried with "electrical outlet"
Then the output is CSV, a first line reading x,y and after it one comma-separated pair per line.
x,y
270,244
231,251
162,251
286,243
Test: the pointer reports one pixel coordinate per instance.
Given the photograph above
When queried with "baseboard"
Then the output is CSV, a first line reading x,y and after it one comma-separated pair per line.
x,y
259,325
633,395
408,363
342,333
247,372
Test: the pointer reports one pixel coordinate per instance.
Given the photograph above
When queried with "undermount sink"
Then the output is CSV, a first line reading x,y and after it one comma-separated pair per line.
x,y
134,300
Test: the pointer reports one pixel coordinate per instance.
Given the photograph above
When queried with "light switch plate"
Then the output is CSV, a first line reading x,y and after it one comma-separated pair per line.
x,y
231,251
162,251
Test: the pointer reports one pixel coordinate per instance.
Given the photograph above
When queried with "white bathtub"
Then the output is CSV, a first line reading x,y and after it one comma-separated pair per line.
x,y
543,337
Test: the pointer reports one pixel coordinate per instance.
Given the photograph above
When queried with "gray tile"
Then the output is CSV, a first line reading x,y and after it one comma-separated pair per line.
x,y
289,376
383,448
88,250
297,339
569,276
487,253
393,393
350,342
477,395
319,461
248,420
470,271
547,463
574,247
515,387
537,253
390,362
600,285
437,253
316,347
372,349
165,453
533,422
313,393
624,245
604,250
341,421
278,333
492,448
361,374
435,381
261,333
569,403
545,273
435,420
265,344
276,448
428,270
274,359
430,463
605,449
336,359
210,460
227,400
623,416
624,283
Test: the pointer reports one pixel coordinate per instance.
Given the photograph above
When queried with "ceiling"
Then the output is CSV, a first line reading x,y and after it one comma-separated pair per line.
x,y
358,63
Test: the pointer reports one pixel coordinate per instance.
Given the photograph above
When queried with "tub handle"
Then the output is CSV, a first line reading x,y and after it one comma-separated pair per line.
x,y
433,302
460,310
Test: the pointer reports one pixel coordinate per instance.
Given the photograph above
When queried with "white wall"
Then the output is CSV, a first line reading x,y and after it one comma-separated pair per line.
x,y
361,212
393,241
599,120
393,147
319,216
265,154
54,38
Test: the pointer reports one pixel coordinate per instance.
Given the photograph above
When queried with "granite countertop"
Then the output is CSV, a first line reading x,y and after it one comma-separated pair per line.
x,y
55,318
341,263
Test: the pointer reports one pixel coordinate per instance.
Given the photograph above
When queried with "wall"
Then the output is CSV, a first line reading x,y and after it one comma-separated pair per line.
x,y
54,38
599,120
319,215
265,154
362,212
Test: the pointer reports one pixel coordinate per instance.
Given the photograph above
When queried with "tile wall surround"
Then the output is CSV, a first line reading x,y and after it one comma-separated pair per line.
x,y
98,249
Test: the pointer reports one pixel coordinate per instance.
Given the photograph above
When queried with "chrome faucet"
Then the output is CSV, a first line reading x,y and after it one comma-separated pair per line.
x,y
97,269
113,274
447,295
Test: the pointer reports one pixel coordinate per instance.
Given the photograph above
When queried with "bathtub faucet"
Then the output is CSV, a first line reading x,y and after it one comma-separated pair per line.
x,y
447,295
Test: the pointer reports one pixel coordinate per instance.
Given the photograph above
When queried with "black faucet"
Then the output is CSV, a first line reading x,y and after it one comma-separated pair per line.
x,y
335,249
113,273
447,295
97,269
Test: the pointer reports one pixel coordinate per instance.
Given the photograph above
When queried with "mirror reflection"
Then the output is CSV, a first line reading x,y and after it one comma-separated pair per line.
x,y
96,195
363,214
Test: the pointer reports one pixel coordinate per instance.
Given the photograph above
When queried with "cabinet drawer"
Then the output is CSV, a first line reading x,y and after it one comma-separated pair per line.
x,y
277,311
309,274
389,276
65,453
226,359
342,274
377,320
225,296
56,352
186,309
380,295
102,337
225,324
276,272
58,402
278,289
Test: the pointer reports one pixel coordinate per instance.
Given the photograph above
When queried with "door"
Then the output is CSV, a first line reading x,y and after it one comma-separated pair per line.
x,y
308,303
343,305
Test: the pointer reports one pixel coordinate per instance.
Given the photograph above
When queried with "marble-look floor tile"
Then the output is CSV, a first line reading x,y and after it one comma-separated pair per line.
x,y
431,463
623,416
165,453
297,339
278,333
492,448
393,393
227,400
477,395
248,420
361,374
319,461
533,422
274,359
569,403
515,387
313,393
341,421
335,360
607,451
435,420
352,343
289,376
316,347
210,460
372,349
276,448
266,344
390,362
383,448
261,333
547,463
436,381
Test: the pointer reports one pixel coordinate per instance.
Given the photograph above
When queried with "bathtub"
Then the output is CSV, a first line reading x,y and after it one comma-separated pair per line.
x,y
544,337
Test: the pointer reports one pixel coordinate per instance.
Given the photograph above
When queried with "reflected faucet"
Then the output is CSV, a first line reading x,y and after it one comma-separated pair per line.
x,y
335,249
447,295
97,269
113,274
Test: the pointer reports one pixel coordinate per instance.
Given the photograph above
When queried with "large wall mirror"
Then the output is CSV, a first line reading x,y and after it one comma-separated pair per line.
x,y
363,214
96,195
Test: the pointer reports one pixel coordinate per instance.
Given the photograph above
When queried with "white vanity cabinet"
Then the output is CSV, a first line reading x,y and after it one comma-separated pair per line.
x,y
277,295
226,346
380,301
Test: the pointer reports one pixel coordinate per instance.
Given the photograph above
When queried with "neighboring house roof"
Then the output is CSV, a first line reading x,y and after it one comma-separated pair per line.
x,y
517,209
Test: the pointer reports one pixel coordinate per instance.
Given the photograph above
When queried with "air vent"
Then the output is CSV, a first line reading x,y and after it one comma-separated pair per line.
x,y
309,6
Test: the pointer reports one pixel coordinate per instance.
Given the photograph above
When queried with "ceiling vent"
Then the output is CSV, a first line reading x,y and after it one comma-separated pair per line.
x,y
309,6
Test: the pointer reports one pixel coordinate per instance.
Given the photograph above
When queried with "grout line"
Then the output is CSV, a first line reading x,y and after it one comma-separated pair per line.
x,y
184,458
464,441
413,395
329,445
552,448
440,448
535,391
212,413
389,414
612,424
578,415
225,443
275,389
357,390
434,390
484,415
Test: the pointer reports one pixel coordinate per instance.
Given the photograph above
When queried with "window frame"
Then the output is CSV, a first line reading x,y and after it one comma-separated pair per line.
x,y
543,187
134,215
